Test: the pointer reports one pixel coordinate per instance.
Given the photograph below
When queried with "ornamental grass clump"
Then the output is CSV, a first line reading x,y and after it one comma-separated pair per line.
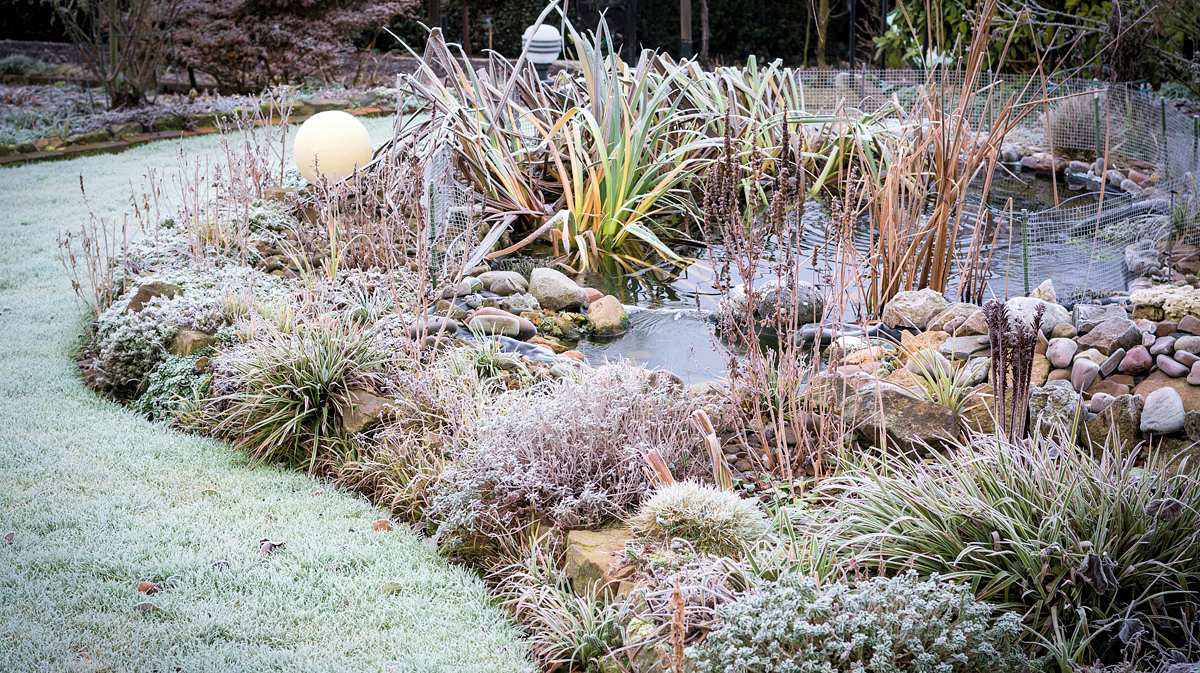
x,y
1100,558
567,628
281,397
881,625
568,455
713,521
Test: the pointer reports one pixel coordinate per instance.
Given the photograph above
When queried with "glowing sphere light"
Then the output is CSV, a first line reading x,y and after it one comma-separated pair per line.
x,y
331,145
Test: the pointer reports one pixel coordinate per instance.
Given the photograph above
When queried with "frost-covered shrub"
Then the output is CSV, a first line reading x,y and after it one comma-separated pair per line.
x,y
173,388
131,339
129,344
570,455
881,625
712,520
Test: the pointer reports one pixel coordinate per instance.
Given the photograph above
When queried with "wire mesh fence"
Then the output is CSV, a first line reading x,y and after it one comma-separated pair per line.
x,y
1077,242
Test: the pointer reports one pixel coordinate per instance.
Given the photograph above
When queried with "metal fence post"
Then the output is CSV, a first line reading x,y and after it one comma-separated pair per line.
x,y
1096,122
1162,106
1025,246
1195,143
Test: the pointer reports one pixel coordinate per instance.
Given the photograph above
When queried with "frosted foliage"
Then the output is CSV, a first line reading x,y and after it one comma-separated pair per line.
x,y
572,454
128,345
880,625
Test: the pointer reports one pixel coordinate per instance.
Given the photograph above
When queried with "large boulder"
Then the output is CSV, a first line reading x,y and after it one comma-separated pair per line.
x,y
1087,316
594,556
504,283
1054,408
1112,334
913,308
951,317
965,347
889,416
497,321
1165,302
1024,309
1119,422
554,290
495,325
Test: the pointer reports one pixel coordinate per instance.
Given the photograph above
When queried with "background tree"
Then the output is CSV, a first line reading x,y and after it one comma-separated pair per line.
x,y
247,45
124,43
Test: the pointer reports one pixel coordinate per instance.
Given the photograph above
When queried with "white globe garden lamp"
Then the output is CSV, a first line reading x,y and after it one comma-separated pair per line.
x,y
542,47
331,145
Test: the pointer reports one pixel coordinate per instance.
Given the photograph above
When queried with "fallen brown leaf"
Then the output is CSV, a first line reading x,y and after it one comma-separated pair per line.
x,y
266,547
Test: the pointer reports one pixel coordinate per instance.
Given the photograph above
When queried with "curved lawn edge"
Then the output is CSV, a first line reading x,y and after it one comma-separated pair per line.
x,y
98,499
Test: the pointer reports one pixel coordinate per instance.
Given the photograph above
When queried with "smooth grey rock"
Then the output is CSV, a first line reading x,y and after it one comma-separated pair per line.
x,y
1162,412
810,302
1188,343
1170,366
1163,345
962,348
1084,373
504,283
1194,375
554,290
1087,316
1110,365
1186,358
1136,361
976,370
1023,309
499,325
1060,351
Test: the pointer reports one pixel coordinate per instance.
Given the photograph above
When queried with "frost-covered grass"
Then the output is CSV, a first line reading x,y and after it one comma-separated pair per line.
x,y
98,499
